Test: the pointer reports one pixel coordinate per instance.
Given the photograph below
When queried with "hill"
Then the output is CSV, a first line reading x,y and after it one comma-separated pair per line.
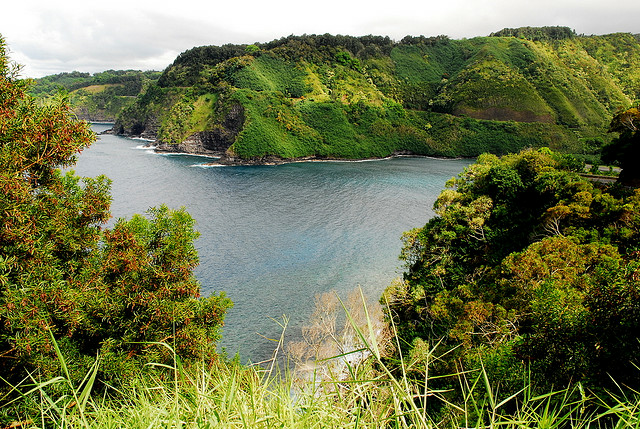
x,y
98,97
359,97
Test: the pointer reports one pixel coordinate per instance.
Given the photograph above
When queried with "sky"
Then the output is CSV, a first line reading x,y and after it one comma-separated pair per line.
x,y
49,37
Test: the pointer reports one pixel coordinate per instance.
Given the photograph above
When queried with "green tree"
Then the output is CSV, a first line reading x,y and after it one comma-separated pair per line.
x,y
525,266
252,49
625,149
99,291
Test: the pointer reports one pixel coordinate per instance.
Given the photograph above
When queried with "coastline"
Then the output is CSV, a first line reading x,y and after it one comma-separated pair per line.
x,y
271,160
223,159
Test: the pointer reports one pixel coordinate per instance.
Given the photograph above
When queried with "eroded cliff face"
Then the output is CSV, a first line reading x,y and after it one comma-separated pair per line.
x,y
147,128
213,142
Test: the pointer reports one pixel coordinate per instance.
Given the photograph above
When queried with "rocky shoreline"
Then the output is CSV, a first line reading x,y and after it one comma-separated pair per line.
x,y
209,144
226,160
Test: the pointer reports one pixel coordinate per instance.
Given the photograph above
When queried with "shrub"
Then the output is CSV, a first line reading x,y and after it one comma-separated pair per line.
x,y
61,272
526,265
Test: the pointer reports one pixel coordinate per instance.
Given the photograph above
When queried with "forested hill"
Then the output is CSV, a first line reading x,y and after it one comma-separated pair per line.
x,y
359,97
96,97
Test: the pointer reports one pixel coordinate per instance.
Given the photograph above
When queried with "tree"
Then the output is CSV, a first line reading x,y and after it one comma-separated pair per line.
x,y
526,266
625,149
109,292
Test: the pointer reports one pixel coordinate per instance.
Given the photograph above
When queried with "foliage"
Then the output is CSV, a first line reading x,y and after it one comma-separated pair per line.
x,y
344,58
365,394
187,67
62,272
459,97
97,97
616,53
526,266
537,33
268,73
625,149
128,82
330,341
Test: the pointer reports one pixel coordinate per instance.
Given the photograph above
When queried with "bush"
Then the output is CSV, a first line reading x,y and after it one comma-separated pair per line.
x,y
526,265
96,290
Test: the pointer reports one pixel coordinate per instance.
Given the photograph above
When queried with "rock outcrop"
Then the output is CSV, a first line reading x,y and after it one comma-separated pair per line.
x,y
214,142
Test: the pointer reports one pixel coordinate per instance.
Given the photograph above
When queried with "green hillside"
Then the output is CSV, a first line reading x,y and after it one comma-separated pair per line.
x,y
96,97
358,97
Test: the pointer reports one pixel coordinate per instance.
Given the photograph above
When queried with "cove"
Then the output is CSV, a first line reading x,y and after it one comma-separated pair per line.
x,y
272,237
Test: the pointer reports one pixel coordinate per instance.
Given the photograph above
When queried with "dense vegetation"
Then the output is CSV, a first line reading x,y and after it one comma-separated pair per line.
x,y
624,150
67,281
98,97
529,270
355,97
537,33
519,307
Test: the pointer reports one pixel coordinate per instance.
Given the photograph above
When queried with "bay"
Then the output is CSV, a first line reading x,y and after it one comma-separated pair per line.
x,y
272,237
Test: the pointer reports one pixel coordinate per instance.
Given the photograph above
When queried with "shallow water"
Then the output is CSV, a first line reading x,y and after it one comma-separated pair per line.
x,y
272,237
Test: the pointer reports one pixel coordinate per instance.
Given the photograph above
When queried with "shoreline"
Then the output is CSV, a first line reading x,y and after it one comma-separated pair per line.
x,y
223,160
284,161
274,160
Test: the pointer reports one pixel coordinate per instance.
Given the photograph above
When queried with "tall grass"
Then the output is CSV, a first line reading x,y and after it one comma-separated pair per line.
x,y
365,393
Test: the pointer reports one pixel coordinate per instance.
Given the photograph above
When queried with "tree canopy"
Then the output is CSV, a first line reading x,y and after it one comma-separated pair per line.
x,y
537,33
114,292
625,149
526,267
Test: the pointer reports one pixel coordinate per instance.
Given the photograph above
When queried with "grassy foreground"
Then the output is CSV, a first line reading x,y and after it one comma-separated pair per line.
x,y
362,394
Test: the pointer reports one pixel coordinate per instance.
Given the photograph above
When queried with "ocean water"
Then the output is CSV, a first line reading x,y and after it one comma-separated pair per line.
x,y
272,237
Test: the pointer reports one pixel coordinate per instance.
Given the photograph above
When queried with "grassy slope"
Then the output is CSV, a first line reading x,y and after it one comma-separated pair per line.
x,y
449,98
330,393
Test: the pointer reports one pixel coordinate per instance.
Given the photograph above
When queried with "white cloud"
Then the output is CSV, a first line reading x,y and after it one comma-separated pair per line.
x,y
85,36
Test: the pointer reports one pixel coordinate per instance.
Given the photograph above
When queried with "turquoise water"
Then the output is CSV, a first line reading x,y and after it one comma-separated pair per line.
x,y
272,237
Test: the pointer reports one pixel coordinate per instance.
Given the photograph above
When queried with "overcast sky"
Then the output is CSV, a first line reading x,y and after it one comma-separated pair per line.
x,y
49,37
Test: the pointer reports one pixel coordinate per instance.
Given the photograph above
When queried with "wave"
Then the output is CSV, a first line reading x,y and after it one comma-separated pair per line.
x,y
195,155
144,147
209,165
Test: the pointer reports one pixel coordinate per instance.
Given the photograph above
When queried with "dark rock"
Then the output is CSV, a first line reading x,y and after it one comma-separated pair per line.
x,y
214,142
